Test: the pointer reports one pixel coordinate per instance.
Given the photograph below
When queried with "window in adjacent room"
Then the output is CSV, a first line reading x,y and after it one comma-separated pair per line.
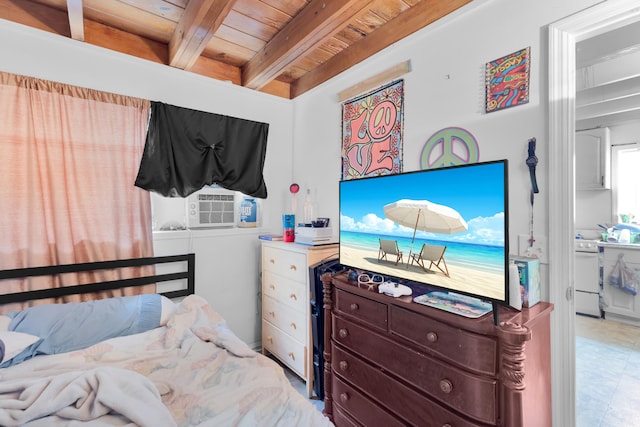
x,y
626,179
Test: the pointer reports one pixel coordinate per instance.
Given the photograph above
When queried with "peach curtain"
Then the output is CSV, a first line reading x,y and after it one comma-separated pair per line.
x,y
70,157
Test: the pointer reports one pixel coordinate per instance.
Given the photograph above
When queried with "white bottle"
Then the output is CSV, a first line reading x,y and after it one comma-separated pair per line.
x,y
308,208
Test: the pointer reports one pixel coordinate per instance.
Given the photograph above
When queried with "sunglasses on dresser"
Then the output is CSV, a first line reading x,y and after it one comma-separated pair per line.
x,y
369,281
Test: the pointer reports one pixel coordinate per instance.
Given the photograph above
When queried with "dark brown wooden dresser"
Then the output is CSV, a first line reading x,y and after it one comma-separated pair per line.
x,y
393,362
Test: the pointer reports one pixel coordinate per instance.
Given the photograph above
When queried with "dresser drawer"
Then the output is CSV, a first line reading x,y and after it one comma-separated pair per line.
x,y
292,322
289,292
364,411
473,351
365,310
401,400
292,265
463,391
287,349
340,418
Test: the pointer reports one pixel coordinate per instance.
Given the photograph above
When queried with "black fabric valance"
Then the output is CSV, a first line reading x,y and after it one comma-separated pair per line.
x,y
188,149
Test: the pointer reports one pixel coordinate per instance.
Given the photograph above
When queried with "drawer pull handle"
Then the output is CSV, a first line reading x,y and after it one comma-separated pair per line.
x,y
344,397
446,386
272,261
344,365
293,297
354,306
292,356
272,313
270,338
293,267
343,333
432,337
293,325
272,286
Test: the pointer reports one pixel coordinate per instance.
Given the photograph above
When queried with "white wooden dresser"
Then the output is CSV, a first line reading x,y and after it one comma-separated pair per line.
x,y
286,310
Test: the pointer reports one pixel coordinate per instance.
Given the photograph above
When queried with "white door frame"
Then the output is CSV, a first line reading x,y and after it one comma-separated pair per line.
x,y
563,36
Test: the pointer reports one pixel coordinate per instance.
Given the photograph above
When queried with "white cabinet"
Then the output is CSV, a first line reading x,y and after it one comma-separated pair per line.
x,y
592,159
620,305
167,243
587,283
227,273
286,305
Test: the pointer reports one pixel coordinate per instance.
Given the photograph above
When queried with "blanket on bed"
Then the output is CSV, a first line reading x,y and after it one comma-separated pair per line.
x,y
101,395
204,374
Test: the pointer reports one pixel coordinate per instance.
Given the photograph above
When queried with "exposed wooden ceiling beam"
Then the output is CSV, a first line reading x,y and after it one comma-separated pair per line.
x,y
199,22
408,22
318,21
202,18
55,21
76,19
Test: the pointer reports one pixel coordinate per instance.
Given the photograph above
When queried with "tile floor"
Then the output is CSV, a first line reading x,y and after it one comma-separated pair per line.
x,y
299,385
607,373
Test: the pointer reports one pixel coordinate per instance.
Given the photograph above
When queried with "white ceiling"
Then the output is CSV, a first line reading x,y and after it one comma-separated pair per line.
x,y
608,78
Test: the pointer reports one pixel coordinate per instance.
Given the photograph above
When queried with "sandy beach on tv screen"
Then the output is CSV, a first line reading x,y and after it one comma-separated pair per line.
x,y
461,278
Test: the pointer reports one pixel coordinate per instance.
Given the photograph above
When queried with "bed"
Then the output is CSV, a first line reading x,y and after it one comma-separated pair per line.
x,y
142,360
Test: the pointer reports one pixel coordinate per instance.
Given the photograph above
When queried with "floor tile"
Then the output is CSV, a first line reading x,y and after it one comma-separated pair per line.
x,y
300,385
607,373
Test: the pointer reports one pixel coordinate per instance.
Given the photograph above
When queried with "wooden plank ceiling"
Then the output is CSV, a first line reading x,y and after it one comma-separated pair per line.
x,y
608,78
282,47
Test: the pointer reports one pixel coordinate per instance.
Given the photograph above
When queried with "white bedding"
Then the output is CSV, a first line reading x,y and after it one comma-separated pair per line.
x,y
100,396
204,375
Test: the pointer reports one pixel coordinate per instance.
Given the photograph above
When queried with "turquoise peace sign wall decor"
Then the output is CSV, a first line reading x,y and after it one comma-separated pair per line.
x,y
448,147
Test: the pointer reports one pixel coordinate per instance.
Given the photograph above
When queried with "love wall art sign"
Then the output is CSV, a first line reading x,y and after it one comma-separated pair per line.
x,y
372,131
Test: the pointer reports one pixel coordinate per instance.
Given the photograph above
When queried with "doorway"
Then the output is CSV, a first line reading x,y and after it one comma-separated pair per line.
x,y
563,36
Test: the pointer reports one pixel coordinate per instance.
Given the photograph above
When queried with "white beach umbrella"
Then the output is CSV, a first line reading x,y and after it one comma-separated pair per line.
x,y
426,216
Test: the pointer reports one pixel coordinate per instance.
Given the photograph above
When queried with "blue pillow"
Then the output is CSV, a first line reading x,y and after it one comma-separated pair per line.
x,y
73,326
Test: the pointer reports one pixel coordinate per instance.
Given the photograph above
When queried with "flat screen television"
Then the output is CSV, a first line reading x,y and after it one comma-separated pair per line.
x,y
450,226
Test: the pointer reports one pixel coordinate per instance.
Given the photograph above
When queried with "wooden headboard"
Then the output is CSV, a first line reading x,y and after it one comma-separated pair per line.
x,y
18,273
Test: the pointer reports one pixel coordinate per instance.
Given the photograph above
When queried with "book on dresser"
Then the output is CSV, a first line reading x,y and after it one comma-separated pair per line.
x,y
271,236
393,362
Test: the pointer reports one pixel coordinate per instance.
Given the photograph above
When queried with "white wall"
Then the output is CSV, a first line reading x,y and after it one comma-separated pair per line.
x,y
458,47
446,88
47,56
306,132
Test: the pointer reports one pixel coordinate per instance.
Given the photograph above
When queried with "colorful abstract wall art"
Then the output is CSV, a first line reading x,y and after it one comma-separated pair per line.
x,y
372,132
507,81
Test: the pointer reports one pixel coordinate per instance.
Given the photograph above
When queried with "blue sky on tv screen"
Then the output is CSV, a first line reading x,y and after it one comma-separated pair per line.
x,y
476,191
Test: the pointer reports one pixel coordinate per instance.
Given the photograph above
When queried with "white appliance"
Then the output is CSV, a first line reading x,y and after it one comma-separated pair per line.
x,y
211,207
587,277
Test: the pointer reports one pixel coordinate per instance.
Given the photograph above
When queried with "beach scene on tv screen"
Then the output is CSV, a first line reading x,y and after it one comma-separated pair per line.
x,y
444,227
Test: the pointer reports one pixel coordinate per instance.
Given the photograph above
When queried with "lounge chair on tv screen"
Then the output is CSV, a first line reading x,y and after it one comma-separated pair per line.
x,y
389,247
434,254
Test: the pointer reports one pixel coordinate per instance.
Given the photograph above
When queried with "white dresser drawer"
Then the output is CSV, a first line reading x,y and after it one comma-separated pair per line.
x,y
288,350
286,305
292,265
287,291
290,321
